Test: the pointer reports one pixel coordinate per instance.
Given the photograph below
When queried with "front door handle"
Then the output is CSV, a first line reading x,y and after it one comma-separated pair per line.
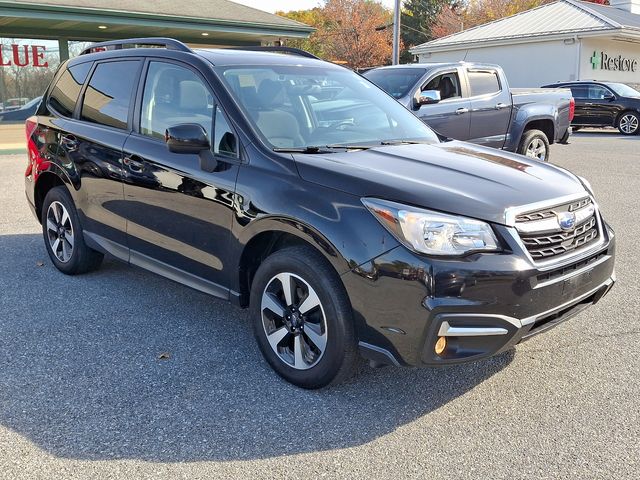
x,y
69,143
134,163
461,111
501,105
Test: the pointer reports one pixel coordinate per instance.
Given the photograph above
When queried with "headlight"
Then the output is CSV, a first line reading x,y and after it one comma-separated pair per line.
x,y
433,233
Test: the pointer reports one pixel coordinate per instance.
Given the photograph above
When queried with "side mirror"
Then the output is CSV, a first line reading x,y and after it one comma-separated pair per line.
x,y
428,96
191,138
186,138
609,96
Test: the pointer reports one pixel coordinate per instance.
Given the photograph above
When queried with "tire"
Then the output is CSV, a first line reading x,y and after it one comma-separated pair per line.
x,y
63,236
629,123
323,335
534,144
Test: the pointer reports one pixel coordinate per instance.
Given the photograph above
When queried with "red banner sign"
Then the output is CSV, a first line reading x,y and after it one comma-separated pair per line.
x,y
23,56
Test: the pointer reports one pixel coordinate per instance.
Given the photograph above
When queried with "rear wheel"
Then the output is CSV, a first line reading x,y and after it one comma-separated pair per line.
x,y
302,318
535,144
63,236
629,123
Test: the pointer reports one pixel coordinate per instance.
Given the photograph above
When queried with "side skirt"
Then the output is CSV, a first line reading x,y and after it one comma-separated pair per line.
x,y
141,260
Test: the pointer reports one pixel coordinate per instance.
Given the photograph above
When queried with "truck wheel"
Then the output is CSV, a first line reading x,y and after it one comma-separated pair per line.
x,y
534,144
629,123
63,236
302,318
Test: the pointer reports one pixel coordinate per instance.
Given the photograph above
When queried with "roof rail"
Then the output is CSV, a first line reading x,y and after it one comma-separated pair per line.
x,y
277,49
168,43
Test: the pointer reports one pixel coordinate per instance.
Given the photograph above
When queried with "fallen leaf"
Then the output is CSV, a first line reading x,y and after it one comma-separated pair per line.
x,y
40,263
164,356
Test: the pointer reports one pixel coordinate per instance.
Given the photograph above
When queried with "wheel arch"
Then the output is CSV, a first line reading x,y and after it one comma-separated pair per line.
x,y
627,110
545,125
45,182
273,234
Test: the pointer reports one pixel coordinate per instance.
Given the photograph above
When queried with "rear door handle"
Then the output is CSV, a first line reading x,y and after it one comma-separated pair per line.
x,y
69,143
460,111
500,106
134,163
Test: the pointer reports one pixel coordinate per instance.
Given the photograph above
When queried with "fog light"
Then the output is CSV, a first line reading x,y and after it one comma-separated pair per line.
x,y
441,344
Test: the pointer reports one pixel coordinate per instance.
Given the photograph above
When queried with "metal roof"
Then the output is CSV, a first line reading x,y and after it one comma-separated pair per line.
x,y
561,17
223,21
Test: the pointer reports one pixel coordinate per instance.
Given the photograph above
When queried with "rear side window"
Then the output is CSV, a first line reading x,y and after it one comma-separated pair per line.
x,y
65,93
580,91
483,83
108,95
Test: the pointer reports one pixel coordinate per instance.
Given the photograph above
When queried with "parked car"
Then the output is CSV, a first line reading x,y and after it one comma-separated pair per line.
x,y
22,113
356,233
13,104
473,102
605,104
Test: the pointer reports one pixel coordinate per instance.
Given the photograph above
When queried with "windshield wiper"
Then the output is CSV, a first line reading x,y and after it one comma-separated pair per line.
x,y
350,147
309,149
402,142
320,149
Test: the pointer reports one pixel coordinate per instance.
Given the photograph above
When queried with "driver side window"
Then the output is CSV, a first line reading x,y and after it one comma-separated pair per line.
x,y
448,84
174,95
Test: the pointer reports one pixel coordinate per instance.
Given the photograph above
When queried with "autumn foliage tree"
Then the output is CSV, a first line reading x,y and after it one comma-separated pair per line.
x,y
355,32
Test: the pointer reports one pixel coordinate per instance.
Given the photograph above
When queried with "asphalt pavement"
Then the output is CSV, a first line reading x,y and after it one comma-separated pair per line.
x,y
86,390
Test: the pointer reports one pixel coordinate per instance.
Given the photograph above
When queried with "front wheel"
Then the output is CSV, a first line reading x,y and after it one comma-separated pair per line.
x,y
302,318
629,123
534,144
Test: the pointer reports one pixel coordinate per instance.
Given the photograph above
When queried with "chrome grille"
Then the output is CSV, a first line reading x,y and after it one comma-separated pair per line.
x,y
543,237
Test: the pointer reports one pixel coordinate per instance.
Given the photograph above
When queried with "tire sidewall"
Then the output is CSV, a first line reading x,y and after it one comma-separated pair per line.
x,y
338,317
528,137
637,130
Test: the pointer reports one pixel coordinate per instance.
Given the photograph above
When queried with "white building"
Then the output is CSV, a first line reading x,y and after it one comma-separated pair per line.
x,y
561,41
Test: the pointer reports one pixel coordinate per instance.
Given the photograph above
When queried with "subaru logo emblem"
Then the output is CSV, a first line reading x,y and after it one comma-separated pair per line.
x,y
566,220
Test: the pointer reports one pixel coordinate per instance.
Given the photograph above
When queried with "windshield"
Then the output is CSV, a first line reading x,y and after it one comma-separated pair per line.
x,y
623,90
295,106
396,82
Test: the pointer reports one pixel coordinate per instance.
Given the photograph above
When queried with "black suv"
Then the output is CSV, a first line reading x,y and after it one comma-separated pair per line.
x,y
299,189
604,104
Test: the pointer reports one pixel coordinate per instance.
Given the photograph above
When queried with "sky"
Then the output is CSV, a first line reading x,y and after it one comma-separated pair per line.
x,y
286,5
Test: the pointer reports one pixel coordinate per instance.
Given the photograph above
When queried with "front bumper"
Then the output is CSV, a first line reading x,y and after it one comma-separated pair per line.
x,y
482,304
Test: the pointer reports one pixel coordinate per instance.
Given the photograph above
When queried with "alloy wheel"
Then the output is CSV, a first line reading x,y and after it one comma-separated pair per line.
x,y
294,321
60,231
629,124
536,149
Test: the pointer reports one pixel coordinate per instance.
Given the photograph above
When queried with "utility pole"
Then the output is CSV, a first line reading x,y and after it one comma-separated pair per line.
x,y
395,58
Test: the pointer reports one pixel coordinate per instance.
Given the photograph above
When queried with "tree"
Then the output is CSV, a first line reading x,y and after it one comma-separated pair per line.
x,y
353,34
347,31
417,22
315,18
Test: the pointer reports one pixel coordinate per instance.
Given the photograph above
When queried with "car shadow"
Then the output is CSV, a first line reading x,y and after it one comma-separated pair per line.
x,y
600,133
122,364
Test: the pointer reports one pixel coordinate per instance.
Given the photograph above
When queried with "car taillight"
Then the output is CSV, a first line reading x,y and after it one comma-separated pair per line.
x,y
572,109
32,149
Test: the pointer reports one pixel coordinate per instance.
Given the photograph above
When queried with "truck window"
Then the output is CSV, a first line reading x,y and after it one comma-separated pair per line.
x,y
448,84
65,93
108,95
483,83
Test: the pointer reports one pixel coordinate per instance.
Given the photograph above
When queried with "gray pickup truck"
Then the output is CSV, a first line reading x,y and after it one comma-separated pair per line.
x,y
473,102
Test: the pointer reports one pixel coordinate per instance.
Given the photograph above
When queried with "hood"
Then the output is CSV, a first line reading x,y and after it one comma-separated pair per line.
x,y
454,177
